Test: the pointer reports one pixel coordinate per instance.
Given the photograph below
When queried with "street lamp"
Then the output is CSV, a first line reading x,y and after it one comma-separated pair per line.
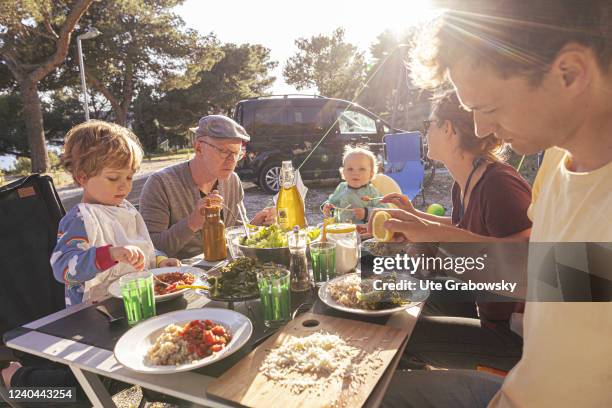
x,y
93,33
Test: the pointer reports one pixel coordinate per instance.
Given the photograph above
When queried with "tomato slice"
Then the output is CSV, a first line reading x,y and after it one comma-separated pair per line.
x,y
208,337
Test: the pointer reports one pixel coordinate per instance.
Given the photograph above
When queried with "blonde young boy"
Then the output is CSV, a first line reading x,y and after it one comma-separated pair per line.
x,y
103,237
359,167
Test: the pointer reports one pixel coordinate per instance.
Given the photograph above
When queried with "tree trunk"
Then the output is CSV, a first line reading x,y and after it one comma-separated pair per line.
x,y
34,126
121,114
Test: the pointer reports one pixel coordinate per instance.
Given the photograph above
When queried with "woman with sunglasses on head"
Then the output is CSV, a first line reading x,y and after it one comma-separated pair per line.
x,y
490,201
172,199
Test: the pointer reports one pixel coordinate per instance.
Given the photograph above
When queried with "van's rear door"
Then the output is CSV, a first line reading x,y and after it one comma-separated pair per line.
x,y
309,121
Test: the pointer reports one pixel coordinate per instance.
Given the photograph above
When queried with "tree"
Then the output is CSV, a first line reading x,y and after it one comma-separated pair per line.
x,y
61,110
34,41
240,72
334,67
141,42
12,125
389,86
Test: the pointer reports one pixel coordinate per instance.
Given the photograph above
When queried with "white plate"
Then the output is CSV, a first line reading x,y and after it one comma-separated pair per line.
x,y
132,347
115,291
417,297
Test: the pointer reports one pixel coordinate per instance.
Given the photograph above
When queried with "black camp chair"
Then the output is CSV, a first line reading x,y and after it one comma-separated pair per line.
x,y
30,211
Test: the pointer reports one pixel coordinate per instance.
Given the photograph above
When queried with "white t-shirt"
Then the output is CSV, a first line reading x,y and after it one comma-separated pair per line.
x,y
567,352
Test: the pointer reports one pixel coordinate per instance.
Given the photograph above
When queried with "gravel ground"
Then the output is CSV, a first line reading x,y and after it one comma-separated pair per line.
x,y
437,192
130,398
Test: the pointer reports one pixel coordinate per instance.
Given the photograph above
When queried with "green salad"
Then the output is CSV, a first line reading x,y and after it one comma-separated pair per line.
x,y
274,237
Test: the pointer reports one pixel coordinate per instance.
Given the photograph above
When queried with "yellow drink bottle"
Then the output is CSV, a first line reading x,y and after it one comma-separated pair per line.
x,y
289,206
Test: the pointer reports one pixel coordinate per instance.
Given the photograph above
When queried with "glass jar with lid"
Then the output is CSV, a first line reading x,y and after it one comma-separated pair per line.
x,y
348,252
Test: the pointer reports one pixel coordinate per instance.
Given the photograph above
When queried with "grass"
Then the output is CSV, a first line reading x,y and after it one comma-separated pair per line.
x,y
180,154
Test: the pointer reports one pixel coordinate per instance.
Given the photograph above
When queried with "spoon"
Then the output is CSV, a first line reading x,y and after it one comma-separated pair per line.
x,y
111,319
192,287
373,198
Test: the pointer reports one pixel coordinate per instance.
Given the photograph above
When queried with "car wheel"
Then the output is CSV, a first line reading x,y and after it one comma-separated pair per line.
x,y
269,178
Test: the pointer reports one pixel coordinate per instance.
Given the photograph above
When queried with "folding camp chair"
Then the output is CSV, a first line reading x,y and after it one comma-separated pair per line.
x,y
30,211
403,161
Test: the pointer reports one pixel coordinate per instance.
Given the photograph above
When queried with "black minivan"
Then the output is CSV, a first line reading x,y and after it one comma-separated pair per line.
x,y
288,127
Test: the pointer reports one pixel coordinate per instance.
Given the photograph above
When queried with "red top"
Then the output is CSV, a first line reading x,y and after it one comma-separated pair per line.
x,y
497,208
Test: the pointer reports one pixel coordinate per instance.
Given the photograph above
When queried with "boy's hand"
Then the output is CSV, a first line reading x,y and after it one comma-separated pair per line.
x,y
169,262
129,254
327,207
359,213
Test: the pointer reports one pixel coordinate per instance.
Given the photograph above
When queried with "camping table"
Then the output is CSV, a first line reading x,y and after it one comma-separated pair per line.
x,y
88,341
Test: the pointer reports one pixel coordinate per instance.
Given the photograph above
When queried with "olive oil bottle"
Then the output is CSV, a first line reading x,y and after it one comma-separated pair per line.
x,y
289,206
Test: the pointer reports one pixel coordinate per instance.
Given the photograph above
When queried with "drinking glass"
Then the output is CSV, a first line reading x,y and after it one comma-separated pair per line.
x,y
275,295
323,260
230,236
138,296
343,215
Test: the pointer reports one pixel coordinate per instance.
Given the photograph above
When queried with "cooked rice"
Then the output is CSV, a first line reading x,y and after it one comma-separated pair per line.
x,y
346,291
170,348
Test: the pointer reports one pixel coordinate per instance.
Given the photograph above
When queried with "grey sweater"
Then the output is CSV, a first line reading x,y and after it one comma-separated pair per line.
x,y
168,198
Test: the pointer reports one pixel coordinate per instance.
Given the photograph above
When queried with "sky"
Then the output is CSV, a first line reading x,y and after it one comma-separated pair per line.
x,y
277,24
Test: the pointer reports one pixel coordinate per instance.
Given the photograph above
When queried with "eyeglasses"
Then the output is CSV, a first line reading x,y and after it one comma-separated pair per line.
x,y
226,154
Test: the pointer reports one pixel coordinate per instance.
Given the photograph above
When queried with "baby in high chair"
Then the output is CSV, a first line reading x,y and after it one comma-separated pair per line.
x,y
103,237
356,196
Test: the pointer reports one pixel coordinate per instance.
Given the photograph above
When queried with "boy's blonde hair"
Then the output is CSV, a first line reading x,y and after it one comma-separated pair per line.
x,y
94,145
353,151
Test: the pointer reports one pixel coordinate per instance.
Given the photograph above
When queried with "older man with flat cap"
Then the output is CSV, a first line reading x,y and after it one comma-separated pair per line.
x,y
172,198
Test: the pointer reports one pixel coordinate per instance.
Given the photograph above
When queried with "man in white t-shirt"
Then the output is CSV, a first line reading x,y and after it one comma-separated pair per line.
x,y
538,74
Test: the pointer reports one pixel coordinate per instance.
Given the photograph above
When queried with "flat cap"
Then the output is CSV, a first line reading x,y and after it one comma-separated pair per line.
x,y
220,126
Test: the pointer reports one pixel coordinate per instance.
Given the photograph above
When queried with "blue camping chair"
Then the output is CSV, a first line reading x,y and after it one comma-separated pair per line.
x,y
404,164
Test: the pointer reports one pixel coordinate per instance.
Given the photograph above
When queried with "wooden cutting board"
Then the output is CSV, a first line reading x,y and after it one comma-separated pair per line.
x,y
246,385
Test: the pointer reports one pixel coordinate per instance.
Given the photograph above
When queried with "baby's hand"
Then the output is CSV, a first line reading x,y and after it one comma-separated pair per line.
x,y
359,213
365,198
327,207
169,262
129,254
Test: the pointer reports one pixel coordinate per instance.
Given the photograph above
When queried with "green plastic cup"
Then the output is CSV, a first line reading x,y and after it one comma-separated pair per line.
x,y
323,260
138,296
274,290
